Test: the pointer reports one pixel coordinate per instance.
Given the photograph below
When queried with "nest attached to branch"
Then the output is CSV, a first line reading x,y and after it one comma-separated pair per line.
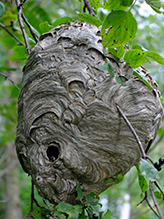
x,y
69,129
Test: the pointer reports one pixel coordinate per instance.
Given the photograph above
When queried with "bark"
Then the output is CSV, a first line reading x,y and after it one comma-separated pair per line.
x,y
69,129
13,208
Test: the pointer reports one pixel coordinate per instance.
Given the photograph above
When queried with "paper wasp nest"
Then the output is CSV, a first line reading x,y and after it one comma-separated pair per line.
x,y
69,129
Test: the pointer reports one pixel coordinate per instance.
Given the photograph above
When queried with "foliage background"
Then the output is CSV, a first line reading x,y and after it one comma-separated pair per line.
x,y
149,35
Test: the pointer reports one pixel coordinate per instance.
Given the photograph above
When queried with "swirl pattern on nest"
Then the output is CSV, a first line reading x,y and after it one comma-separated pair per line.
x,y
69,129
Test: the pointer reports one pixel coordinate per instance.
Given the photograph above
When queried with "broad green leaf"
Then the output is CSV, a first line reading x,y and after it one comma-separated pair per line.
x,y
155,56
142,79
15,92
110,68
113,5
116,179
117,52
148,170
119,81
126,2
19,53
2,9
134,58
45,212
103,67
119,177
60,215
92,198
79,192
45,27
62,21
135,46
143,183
155,5
64,207
82,215
90,212
118,28
89,19
160,132
158,195
36,15
107,215
95,4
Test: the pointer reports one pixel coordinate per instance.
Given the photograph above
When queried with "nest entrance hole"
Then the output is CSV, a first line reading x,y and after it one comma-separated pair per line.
x,y
53,152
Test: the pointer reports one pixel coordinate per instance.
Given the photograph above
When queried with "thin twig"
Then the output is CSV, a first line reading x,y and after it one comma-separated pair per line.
x,y
156,184
35,36
20,12
7,77
155,200
149,158
147,200
11,34
87,5
133,131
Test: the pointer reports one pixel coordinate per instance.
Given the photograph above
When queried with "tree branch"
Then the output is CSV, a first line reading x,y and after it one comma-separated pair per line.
x,y
133,132
7,77
147,200
155,200
12,34
87,5
35,36
20,12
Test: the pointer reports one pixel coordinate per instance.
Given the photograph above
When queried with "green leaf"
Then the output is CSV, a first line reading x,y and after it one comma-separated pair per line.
x,y
121,26
158,195
95,4
143,183
155,5
148,170
4,68
60,215
2,9
117,52
103,67
126,2
89,19
46,202
19,53
113,5
135,46
79,192
160,132
64,207
142,79
62,21
92,198
116,179
119,81
155,56
14,93
107,215
110,68
134,58
107,181
45,27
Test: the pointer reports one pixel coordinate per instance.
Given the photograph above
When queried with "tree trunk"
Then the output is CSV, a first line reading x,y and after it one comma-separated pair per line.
x,y
13,209
69,129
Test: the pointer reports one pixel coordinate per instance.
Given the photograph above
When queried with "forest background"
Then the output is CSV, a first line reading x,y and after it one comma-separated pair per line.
x,y
15,185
